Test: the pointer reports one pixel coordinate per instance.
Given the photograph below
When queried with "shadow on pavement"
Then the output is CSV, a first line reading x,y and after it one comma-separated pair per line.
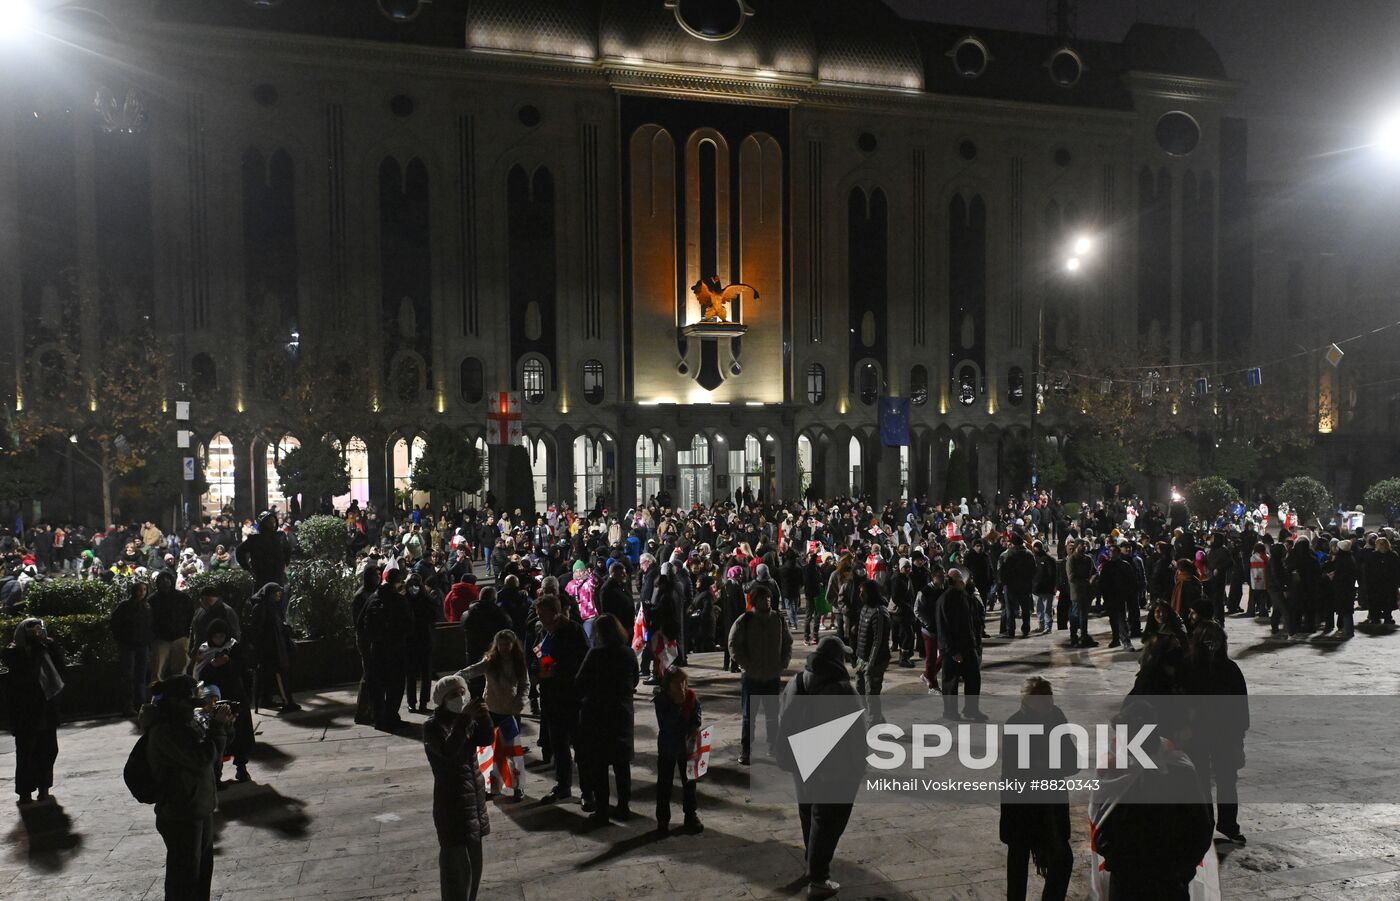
x,y
264,807
271,756
44,836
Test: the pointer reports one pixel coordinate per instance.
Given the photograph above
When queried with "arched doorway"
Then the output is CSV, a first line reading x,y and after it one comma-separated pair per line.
x,y
746,466
856,471
805,458
696,474
648,462
403,456
357,459
539,471
219,474
588,471
483,454
276,450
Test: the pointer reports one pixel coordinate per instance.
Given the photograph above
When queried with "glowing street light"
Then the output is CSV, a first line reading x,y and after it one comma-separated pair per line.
x,y
16,17
1082,245
1072,264
1388,137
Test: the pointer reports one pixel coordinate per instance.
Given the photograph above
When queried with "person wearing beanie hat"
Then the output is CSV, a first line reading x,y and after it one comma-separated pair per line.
x,y
839,773
760,643
1343,573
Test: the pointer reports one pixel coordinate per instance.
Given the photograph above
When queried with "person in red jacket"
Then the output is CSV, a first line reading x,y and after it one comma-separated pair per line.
x,y
459,598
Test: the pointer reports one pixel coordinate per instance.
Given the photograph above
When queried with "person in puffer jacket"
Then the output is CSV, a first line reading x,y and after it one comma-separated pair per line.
x,y
872,648
760,644
451,734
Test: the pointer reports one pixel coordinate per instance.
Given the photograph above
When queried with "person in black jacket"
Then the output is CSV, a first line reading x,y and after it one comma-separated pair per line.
x,y
790,582
561,651
131,629
388,621
425,605
902,624
812,585
1342,572
872,649
35,663
1117,582
264,553
269,640
1017,571
606,682
483,620
1036,823
171,614
222,661
959,648
616,598
369,586
1216,745
451,735
1043,588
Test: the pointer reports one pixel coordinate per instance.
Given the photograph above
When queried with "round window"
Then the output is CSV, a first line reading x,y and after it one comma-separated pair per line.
x,y
967,150
529,115
401,105
866,142
711,20
1178,133
969,57
1066,67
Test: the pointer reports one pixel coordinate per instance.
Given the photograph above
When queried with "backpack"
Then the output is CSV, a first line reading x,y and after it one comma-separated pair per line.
x,y
140,778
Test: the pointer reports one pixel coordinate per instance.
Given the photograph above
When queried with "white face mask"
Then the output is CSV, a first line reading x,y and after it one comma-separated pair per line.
x,y
455,704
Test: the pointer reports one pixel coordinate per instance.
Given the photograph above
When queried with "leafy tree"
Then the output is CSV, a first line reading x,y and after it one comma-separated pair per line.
x,y
27,473
111,407
1384,497
316,470
322,537
162,473
1175,457
1308,497
1236,461
450,465
1098,460
1208,496
520,481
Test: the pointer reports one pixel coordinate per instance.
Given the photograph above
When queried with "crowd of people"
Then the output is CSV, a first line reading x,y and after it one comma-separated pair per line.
x,y
570,614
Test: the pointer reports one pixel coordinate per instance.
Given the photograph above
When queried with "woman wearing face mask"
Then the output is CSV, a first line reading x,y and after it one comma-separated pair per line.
x,y
35,663
451,735
507,687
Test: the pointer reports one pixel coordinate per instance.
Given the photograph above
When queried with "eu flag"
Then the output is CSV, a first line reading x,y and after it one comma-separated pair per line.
x,y
894,421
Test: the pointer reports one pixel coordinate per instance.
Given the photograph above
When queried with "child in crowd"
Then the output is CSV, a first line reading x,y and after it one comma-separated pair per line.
x,y
677,727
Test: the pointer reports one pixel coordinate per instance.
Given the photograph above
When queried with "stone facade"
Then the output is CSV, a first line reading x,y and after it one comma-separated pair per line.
x,y
458,199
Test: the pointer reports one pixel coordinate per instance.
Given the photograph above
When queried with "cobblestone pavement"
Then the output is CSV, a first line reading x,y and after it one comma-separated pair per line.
x,y
341,810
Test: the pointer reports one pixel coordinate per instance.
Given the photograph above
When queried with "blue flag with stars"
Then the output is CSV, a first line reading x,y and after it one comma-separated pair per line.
x,y
894,421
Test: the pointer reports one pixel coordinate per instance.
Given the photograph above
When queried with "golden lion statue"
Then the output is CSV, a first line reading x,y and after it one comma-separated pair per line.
x,y
713,299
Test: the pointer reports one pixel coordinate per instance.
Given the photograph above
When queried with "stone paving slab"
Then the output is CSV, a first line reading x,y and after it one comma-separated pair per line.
x,y
339,810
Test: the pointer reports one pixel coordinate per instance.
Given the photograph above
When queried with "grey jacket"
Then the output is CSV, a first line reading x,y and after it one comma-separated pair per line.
x,y
761,645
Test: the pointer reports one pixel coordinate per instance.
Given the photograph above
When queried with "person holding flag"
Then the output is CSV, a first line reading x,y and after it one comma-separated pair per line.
x,y
507,684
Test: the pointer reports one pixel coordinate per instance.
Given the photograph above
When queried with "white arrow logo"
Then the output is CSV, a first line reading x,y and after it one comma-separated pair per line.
x,y
810,746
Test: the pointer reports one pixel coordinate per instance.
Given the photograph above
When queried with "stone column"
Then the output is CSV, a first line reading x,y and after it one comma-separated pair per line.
x,y
377,464
987,464
243,475
887,470
563,487
838,466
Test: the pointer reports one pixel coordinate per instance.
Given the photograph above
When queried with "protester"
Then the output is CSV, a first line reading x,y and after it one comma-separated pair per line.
x,y
677,728
760,644
418,653
387,624
959,648
451,734
211,608
222,662
182,757
506,684
560,652
606,681
34,681
1216,744
132,631
872,655
271,641
1035,825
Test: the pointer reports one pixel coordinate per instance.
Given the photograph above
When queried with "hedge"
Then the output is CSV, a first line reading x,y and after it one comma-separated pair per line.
x,y
85,638
321,594
69,597
235,586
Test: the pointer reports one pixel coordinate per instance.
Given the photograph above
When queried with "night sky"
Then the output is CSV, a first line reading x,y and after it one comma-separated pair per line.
x,y
1318,73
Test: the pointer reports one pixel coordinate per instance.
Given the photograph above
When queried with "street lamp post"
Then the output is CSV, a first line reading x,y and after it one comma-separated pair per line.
x,y
1082,245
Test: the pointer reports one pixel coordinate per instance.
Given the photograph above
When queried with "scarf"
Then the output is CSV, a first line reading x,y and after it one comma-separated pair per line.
x,y
49,680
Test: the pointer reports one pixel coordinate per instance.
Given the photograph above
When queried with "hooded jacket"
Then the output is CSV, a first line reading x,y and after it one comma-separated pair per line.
x,y
183,757
171,611
459,791
761,645
824,675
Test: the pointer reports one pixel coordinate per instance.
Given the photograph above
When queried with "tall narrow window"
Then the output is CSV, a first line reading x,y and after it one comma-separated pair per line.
x,y
532,381
593,381
967,386
918,385
473,380
816,384
869,383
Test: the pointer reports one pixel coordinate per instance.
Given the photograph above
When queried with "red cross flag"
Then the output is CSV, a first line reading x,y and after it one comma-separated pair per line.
x,y
503,423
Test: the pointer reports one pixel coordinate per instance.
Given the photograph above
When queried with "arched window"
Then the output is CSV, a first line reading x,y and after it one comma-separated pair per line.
x,y
816,383
1015,386
593,381
855,470
648,465
219,474
275,451
967,386
804,464
357,459
588,471
869,383
483,454
532,381
918,385
404,456
473,381
539,471
694,466
204,377
746,466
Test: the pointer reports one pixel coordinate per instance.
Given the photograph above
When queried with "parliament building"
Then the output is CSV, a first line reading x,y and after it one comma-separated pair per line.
x,y
699,239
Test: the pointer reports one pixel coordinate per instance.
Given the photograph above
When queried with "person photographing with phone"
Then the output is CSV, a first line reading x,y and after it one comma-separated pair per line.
x,y
222,661
454,730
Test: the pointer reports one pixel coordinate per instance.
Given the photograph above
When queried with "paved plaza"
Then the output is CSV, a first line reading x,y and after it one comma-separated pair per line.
x,y
339,810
